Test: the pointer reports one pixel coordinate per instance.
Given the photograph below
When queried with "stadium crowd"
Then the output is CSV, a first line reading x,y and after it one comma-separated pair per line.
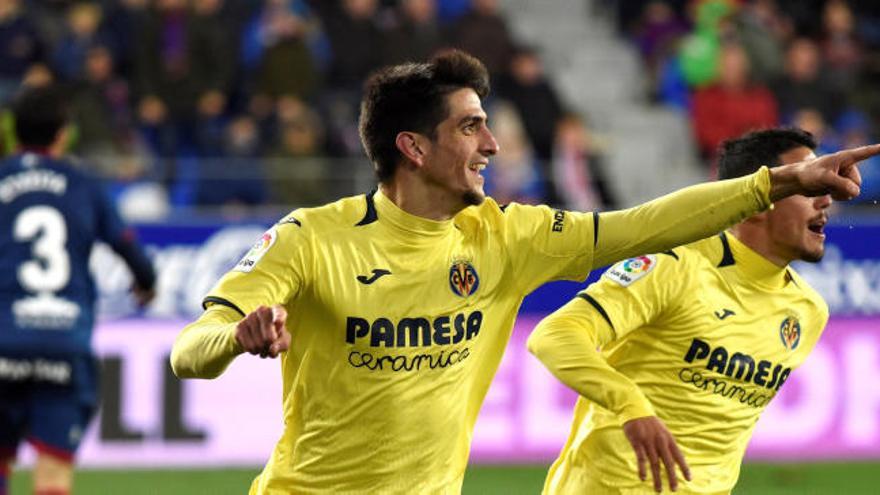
x,y
735,66
230,102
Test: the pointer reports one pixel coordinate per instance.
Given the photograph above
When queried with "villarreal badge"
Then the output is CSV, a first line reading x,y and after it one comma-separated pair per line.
x,y
790,332
463,278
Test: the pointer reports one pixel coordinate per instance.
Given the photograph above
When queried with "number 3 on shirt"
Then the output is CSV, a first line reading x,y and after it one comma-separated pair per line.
x,y
50,270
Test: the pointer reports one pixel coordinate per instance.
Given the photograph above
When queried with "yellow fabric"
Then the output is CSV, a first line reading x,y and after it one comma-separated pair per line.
x,y
214,332
680,335
383,412
384,378
682,217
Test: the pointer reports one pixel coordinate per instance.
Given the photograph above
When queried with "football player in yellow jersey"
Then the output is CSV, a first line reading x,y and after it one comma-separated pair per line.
x,y
390,311
695,342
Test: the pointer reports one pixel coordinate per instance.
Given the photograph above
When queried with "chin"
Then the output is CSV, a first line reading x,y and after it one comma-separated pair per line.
x,y
473,197
813,256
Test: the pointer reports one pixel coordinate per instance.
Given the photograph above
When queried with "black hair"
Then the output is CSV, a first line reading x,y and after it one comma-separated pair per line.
x,y
746,154
39,114
412,97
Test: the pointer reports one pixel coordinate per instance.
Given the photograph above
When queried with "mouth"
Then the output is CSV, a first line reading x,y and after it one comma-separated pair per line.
x,y
817,226
477,167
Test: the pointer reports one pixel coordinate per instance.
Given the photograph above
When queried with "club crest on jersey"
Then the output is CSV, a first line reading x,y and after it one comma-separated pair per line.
x,y
790,333
257,251
463,278
628,271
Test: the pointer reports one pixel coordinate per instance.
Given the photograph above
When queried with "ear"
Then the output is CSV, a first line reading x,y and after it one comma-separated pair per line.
x,y
62,139
412,146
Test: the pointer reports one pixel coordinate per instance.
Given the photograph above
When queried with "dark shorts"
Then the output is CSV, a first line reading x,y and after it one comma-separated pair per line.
x,y
47,401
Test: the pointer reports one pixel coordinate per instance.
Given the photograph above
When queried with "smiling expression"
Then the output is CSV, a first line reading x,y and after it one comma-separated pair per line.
x,y
454,159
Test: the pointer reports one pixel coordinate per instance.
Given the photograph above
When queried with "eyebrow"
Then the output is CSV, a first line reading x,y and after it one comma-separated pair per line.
x,y
472,119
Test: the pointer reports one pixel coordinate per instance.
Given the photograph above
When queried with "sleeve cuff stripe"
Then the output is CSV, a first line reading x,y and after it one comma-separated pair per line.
x,y
223,302
599,308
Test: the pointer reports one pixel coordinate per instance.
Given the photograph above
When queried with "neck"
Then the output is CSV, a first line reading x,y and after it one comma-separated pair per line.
x,y
421,199
755,237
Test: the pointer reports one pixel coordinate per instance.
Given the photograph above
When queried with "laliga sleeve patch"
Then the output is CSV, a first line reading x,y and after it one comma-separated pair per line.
x,y
628,271
257,251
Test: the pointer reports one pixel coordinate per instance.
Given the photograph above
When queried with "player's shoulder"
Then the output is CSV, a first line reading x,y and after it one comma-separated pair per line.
x,y
344,213
494,216
808,291
674,266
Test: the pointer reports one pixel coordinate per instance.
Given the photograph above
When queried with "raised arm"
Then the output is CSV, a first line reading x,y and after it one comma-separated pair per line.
x,y
699,211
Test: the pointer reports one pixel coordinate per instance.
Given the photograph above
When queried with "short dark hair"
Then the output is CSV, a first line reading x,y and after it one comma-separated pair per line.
x,y
412,97
746,154
39,114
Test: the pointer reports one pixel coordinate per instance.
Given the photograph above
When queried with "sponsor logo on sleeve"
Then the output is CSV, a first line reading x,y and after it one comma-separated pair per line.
x,y
257,251
558,220
628,271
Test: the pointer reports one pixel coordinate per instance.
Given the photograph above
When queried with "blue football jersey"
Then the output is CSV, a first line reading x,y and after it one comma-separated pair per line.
x,y
51,214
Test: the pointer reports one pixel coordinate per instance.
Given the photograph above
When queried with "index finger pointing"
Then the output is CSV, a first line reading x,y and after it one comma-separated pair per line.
x,y
861,153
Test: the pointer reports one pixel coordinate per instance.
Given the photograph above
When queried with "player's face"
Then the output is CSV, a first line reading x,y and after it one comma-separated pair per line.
x,y
461,149
797,223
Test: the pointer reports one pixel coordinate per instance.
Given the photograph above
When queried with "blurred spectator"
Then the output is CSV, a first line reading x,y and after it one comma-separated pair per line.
x,y
355,41
803,84
577,169
50,18
299,173
183,68
732,106
811,120
514,174
762,30
21,47
841,48
101,110
416,36
699,51
235,178
276,50
356,49
656,35
121,24
483,33
80,34
527,87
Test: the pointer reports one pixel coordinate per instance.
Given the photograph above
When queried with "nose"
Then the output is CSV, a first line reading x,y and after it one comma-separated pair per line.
x,y
488,145
822,202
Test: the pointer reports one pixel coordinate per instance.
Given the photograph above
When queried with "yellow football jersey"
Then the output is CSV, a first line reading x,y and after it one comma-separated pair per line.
x,y
399,323
704,336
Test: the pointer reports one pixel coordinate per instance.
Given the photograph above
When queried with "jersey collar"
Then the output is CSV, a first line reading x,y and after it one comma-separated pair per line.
x,y
755,267
390,214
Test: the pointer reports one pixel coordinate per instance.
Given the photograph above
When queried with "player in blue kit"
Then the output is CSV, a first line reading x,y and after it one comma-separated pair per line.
x,y
51,214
